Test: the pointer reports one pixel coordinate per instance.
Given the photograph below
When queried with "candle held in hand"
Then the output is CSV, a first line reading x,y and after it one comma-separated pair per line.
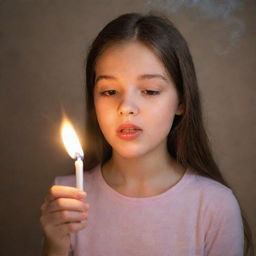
x,y
74,149
79,173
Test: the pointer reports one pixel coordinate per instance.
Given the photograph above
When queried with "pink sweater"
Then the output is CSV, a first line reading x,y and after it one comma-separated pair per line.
x,y
197,216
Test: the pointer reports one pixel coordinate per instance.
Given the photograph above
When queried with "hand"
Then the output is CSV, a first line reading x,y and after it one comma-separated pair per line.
x,y
64,211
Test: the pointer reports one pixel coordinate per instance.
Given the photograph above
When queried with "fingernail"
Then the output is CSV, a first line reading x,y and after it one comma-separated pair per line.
x,y
82,194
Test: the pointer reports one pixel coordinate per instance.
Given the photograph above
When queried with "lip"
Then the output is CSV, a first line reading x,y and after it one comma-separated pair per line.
x,y
128,126
128,135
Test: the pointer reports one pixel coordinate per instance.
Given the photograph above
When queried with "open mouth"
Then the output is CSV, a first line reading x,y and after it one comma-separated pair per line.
x,y
129,130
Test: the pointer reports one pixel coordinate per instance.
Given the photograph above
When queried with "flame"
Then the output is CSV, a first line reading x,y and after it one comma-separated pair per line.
x,y
70,140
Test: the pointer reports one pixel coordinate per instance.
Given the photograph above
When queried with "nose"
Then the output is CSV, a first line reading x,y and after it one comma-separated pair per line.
x,y
128,106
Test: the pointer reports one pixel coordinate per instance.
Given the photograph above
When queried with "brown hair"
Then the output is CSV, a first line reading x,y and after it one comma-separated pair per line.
x,y
187,139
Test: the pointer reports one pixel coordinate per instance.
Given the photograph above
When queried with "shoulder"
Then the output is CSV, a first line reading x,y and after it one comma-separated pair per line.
x,y
209,187
216,200
221,217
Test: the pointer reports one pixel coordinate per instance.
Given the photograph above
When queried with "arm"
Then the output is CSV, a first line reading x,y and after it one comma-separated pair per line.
x,y
225,234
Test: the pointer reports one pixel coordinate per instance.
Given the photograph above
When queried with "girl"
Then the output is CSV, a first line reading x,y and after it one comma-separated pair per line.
x,y
152,186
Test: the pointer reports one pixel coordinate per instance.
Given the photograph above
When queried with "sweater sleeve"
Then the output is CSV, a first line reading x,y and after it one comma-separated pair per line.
x,y
224,234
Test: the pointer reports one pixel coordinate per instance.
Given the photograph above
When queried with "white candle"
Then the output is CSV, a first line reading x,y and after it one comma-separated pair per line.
x,y
73,146
79,173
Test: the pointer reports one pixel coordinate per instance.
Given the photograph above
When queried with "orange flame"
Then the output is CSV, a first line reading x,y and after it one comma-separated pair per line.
x,y
70,139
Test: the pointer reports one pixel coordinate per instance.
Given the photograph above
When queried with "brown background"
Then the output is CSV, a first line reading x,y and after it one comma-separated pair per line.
x,y
42,49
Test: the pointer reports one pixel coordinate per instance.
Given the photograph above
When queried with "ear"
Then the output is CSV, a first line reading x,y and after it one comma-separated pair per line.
x,y
180,109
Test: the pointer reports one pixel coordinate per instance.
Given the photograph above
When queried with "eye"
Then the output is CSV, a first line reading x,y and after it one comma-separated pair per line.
x,y
151,92
108,93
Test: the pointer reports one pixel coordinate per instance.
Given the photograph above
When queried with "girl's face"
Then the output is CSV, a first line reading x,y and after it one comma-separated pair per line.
x,y
133,89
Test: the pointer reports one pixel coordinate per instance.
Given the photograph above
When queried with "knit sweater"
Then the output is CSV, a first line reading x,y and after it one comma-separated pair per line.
x,y
197,216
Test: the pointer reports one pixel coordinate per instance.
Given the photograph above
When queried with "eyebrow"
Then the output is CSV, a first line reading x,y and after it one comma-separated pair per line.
x,y
141,77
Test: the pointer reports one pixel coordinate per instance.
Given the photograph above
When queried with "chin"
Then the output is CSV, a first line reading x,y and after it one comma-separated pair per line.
x,y
135,150
132,153
128,153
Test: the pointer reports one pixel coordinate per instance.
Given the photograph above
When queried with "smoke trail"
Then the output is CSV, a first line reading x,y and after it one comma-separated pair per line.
x,y
221,10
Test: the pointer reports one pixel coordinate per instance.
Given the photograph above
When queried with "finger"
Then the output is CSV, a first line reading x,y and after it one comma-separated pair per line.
x,y
69,204
61,217
64,191
72,227
44,207
65,228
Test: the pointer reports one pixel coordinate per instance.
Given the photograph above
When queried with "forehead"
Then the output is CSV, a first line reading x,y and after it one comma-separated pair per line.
x,y
129,58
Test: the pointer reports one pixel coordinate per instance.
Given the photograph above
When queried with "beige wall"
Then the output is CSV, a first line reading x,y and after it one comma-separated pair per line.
x,y
42,45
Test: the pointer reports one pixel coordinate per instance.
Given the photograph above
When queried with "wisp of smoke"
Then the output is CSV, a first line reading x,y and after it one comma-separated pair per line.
x,y
221,10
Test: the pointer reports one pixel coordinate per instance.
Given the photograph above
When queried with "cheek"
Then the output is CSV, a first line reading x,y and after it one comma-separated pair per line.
x,y
99,112
166,109
162,116
104,115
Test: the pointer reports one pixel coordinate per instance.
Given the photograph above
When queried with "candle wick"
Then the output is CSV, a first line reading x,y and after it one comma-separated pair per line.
x,y
78,156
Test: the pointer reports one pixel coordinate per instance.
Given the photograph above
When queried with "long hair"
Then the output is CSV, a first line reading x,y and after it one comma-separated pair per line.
x,y
187,140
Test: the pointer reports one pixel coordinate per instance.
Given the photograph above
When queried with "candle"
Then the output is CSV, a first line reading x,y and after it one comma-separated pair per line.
x,y
79,173
74,149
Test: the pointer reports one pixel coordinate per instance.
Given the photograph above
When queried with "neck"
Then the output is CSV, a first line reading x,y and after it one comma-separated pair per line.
x,y
148,169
